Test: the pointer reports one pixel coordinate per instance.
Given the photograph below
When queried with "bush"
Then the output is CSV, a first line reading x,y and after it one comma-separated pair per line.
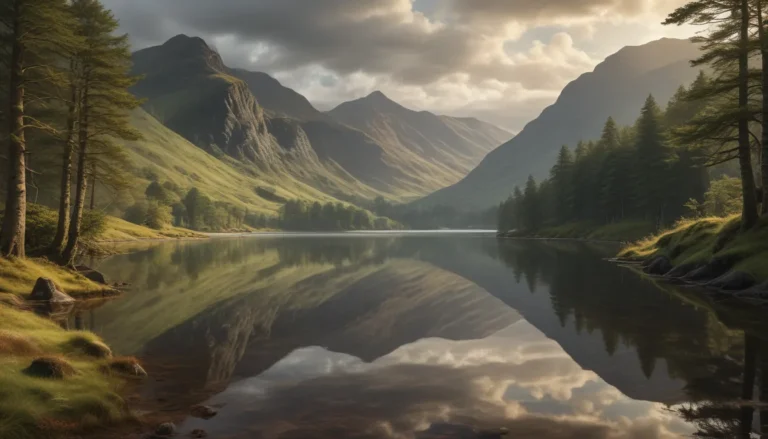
x,y
137,214
158,216
94,223
41,226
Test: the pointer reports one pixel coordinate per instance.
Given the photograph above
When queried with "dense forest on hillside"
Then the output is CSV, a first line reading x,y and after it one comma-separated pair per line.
x,y
644,172
671,163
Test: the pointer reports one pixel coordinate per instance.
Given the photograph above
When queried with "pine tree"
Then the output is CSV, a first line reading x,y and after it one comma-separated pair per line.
x,y
531,209
726,46
37,32
561,177
652,182
104,100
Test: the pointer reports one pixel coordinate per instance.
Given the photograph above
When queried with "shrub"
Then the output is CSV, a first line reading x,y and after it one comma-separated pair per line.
x,y
94,223
137,214
158,215
41,226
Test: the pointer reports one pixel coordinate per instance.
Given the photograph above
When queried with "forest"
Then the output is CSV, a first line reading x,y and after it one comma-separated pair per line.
x,y
702,155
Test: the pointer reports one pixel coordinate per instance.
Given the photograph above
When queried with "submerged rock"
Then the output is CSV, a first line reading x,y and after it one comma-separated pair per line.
x,y
50,367
90,273
733,281
45,291
166,429
659,266
198,433
203,411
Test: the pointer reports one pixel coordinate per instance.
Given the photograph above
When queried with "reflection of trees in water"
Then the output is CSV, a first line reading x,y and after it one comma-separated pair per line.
x,y
718,364
169,264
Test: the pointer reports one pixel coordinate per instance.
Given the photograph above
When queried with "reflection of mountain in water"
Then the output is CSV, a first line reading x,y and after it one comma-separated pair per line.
x,y
369,312
236,308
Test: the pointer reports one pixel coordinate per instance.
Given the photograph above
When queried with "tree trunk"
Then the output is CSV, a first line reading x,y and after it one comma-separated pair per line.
x,y
93,190
66,178
77,214
14,219
749,198
764,155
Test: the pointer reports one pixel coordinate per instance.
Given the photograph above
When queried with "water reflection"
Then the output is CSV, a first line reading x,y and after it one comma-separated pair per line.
x,y
428,336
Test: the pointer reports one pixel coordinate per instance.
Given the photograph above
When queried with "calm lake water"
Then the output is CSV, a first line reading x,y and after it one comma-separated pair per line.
x,y
427,336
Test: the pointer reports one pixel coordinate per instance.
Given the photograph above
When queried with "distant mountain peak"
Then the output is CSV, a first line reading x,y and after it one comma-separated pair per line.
x,y
185,41
377,95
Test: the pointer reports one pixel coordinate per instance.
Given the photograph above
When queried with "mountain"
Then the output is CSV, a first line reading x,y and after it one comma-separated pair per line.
x,y
431,151
277,98
617,87
273,132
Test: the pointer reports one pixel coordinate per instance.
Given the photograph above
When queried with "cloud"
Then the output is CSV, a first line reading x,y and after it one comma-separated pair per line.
x,y
454,54
516,379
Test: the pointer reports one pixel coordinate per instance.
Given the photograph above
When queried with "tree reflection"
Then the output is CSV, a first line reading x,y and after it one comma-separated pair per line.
x,y
718,362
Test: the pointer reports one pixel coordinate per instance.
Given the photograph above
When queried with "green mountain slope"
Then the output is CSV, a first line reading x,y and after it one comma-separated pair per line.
x,y
168,156
617,87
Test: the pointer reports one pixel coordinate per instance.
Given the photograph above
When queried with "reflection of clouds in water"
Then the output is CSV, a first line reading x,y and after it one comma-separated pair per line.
x,y
516,379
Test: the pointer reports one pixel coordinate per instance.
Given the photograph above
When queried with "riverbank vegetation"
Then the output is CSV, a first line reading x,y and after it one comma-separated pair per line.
x,y
54,382
703,159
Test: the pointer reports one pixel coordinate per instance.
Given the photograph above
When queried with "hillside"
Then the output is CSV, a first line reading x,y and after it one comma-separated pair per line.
x,y
166,156
429,151
255,124
617,87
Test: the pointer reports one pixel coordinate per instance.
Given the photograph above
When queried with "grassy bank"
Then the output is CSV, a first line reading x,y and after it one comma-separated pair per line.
x,y
18,276
117,229
699,242
624,231
84,396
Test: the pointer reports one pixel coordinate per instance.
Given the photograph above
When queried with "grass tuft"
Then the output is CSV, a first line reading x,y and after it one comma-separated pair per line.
x,y
18,276
31,406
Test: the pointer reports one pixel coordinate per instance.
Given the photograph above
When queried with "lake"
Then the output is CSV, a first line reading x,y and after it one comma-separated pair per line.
x,y
438,335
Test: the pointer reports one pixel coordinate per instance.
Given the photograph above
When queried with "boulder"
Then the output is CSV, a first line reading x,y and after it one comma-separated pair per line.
x,y
50,367
166,429
733,281
45,291
203,412
714,269
660,265
90,273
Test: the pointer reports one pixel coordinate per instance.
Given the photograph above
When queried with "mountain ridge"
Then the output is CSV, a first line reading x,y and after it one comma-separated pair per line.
x,y
617,87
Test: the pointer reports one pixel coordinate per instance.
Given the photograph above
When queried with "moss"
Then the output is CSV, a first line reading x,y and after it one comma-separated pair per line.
x,y
18,276
31,404
701,241
620,231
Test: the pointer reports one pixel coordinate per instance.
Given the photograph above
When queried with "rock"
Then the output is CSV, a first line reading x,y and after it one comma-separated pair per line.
x,y
45,290
166,429
127,366
90,273
493,434
198,433
50,367
681,270
733,281
203,411
660,265
714,269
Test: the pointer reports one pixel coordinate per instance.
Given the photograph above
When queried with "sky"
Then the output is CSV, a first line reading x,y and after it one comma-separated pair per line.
x,y
502,61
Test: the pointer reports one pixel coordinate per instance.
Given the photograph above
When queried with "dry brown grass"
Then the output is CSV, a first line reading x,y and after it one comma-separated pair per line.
x,y
12,343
